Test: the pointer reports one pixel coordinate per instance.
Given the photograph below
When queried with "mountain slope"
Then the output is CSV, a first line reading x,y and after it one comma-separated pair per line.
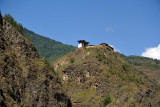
x,y
48,48
150,67
25,78
97,76
142,61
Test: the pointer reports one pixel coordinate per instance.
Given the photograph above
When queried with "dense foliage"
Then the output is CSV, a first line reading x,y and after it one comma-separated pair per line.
x,y
48,48
11,20
142,61
106,100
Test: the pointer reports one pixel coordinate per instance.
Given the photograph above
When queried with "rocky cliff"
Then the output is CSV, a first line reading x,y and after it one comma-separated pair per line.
x,y
26,80
97,76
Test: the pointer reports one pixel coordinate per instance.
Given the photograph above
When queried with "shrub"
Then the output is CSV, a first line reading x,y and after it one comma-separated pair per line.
x,y
136,79
72,60
100,56
46,61
48,64
132,77
107,75
107,100
141,81
111,71
126,67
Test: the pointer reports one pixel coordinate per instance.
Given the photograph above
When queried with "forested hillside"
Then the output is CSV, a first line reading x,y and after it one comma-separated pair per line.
x,y
48,48
148,66
142,61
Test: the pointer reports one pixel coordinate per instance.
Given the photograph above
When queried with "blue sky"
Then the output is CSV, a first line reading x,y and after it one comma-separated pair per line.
x,y
131,26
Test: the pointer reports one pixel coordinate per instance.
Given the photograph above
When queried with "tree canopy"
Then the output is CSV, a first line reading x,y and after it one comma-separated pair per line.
x,y
11,20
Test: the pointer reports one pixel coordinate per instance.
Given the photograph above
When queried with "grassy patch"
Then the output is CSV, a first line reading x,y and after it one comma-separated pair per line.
x,y
49,65
107,75
121,76
39,64
85,95
100,56
107,100
72,60
112,72
135,79
126,67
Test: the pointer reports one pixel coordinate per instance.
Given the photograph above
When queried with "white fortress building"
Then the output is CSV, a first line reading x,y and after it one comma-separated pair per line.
x,y
82,43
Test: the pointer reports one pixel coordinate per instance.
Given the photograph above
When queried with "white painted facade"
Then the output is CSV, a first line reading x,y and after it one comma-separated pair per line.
x,y
80,45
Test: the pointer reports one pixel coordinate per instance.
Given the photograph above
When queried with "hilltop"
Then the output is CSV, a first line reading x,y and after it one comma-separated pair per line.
x,y
26,80
97,76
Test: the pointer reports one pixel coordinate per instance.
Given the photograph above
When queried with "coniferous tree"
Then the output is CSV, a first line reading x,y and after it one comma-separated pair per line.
x,y
1,19
16,25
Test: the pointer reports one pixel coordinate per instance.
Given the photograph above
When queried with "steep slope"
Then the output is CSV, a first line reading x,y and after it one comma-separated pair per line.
x,y
150,67
25,78
142,61
97,76
48,48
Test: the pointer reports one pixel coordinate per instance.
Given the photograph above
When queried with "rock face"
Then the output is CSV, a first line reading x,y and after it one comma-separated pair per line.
x,y
97,76
25,78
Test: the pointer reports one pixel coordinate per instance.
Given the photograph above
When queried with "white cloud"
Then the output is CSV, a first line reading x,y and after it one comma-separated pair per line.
x,y
152,52
109,29
117,50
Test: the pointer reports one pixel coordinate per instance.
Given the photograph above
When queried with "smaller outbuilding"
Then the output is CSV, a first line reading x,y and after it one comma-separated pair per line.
x,y
104,44
82,43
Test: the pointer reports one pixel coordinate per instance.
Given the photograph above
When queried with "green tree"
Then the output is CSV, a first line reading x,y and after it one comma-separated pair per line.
x,y
16,25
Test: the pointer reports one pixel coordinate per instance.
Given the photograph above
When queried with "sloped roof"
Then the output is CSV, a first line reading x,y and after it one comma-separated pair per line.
x,y
82,41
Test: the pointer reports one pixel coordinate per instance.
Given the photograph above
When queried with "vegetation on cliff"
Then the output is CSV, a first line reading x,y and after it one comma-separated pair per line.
x,y
16,25
148,66
26,80
142,61
98,76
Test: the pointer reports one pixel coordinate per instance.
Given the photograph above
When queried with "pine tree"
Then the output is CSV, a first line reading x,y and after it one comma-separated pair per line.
x,y
1,19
